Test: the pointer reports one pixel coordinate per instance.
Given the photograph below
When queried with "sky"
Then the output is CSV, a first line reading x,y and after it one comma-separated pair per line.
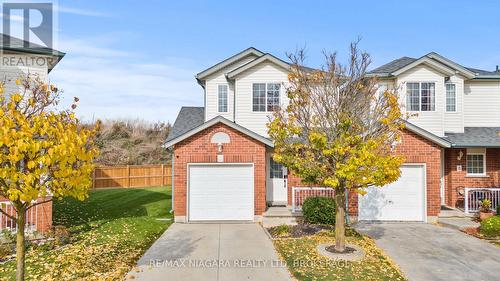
x,y
138,59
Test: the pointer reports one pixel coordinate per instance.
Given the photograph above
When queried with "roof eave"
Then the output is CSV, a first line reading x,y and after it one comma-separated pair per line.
x,y
464,71
207,72
267,57
427,135
210,123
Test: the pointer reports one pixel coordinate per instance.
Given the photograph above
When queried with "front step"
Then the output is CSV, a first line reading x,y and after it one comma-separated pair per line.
x,y
275,216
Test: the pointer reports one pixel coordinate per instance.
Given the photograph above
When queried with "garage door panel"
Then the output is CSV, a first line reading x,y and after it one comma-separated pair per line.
x,y
221,192
402,200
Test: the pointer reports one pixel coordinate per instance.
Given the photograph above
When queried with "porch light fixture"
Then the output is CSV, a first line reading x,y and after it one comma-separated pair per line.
x,y
460,155
219,147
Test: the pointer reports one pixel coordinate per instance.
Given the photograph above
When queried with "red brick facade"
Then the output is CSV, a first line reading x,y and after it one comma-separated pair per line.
x,y
415,149
456,181
40,216
199,149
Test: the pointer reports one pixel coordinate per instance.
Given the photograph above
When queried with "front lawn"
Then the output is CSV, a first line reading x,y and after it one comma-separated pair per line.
x,y
304,262
109,233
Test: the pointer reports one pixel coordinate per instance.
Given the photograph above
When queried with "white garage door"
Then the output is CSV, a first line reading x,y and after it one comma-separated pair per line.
x,y
221,192
403,200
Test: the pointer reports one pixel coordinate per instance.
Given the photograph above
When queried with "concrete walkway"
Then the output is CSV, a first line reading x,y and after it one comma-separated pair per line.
x,y
211,252
430,252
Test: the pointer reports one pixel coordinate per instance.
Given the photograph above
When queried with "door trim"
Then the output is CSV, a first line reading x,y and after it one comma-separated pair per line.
x,y
188,165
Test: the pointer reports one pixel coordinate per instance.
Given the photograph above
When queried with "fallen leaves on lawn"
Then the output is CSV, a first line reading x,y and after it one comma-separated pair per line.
x,y
96,255
305,263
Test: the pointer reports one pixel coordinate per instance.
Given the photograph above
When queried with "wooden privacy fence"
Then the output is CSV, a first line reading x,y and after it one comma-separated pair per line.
x,y
132,176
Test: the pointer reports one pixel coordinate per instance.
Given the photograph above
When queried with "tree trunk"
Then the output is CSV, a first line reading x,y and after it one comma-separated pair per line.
x,y
20,246
340,219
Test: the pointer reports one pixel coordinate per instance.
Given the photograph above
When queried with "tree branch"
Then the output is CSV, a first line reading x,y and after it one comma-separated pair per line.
x,y
38,203
9,216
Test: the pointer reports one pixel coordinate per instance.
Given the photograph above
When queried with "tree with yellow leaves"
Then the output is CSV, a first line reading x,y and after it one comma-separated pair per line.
x,y
44,153
338,130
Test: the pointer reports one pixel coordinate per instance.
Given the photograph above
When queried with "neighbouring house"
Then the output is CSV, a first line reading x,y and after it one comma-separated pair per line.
x,y
222,156
20,58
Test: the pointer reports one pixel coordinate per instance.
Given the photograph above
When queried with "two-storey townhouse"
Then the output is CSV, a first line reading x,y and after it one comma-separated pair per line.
x,y
222,156
22,58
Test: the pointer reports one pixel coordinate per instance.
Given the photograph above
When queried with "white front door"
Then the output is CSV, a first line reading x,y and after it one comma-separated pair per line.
x,y
403,200
277,183
221,192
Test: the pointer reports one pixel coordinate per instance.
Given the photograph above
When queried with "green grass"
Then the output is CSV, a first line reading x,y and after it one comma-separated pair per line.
x,y
109,233
304,262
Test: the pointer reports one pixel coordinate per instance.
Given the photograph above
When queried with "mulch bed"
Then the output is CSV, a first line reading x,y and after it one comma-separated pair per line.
x,y
296,231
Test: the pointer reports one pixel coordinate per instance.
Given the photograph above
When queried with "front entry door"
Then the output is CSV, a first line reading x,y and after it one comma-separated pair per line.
x,y
279,183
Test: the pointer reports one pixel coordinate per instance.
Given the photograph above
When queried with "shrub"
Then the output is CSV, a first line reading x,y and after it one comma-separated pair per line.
x,y
319,210
491,226
498,210
281,230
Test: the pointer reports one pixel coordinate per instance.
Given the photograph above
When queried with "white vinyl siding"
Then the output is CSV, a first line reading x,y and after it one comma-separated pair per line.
x,y
481,104
433,120
451,97
263,73
222,98
9,73
212,91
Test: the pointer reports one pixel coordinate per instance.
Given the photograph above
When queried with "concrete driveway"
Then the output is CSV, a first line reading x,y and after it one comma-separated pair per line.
x,y
430,252
211,252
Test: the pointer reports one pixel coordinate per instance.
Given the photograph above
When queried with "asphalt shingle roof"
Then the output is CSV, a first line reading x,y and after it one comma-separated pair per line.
x,y
10,43
393,65
189,118
404,61
476,137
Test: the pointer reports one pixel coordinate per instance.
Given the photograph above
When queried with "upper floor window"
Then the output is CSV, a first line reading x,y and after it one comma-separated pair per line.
x,y
266,97
451,98
421,96
222,98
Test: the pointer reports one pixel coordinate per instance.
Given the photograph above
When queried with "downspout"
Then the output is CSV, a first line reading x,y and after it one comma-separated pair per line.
x,y
172,185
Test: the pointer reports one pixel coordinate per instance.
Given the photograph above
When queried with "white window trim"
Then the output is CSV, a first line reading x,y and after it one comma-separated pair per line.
x,y
266,83
476,152
446,98
227,98
420,96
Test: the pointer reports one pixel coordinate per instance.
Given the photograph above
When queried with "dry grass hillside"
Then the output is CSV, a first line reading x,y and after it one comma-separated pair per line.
x,y
132,142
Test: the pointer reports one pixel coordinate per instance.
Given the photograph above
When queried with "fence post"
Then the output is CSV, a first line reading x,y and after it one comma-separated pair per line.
x,y
162,175
93,178
466,200
128,175
293,198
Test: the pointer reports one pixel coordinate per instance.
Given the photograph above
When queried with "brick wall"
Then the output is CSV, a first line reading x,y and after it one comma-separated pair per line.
x,y
199,149
457,180
41,215
415,149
